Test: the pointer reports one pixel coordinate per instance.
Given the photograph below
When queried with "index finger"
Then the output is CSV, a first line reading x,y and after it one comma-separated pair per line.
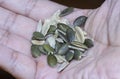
x,y
36,9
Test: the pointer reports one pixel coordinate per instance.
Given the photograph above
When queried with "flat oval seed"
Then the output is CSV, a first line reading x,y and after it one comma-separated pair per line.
x,y
88,43
63,27
51,29
35,51
70,35
77,54
48,48
66,11
38,35
80,21
52,61
69,55
63,49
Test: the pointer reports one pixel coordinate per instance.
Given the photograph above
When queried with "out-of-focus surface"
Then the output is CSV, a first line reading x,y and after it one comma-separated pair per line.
x,y
74,3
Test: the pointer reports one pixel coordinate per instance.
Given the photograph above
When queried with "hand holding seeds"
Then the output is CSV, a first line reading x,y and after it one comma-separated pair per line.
x,y
60,40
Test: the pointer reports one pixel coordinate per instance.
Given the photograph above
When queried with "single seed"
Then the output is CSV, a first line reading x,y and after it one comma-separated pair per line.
x,y
63,49
77,54
52,61
48,48
35,51
37,42
38,36
89,43
63,37
60,59
80,21
63,27
70,35
51,29
62,66
66,11
69,55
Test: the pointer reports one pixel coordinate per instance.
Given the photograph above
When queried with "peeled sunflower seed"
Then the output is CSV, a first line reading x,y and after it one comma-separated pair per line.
x,y
48,48
80,21
70,35
80,37
77,54
51,29
63,49
69,56
62,66
89,43
38,36
63,27
37,42
52,61
35,51
66,11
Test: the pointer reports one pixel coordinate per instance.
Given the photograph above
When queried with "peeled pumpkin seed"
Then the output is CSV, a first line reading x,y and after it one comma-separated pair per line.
x,y
52,61
63,49
79,45
51,29
37,42
35,51
77,54
63,27
80,21
38,35
69,55
66,11
48,48
89,43
70,35
58,46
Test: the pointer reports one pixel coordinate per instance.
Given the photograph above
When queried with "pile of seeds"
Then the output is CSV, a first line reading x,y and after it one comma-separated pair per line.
x,y
59,40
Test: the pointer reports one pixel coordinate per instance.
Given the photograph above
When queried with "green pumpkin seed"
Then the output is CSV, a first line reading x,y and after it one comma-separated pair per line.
x,y
79,45
52,61
63,27
89,43
70,35
51,29
66,11
35,51
63,49
48,48
69,55
38,36
77,54
80,21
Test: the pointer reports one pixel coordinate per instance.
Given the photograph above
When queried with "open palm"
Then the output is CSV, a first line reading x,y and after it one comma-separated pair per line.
x,y
18,20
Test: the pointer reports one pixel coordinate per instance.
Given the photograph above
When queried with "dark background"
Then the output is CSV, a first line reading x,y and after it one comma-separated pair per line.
x,y
84,4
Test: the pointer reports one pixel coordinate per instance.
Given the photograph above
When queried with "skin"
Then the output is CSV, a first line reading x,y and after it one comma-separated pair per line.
x,y
18,20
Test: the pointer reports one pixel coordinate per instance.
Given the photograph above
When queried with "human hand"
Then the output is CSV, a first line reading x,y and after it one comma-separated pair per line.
x,y
18,22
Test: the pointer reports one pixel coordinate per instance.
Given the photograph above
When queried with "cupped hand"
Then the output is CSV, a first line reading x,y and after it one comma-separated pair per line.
x,y
18,20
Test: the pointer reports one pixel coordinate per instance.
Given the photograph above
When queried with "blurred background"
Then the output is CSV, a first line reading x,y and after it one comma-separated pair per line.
x,y
83,4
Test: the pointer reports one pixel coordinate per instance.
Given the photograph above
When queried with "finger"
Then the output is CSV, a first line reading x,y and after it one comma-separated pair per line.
x,y
38,9
33,8
15,42
16,63
16,24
